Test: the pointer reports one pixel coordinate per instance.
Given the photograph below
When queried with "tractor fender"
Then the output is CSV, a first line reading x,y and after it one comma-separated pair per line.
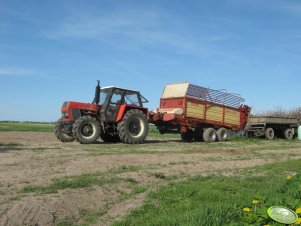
x,y
124,108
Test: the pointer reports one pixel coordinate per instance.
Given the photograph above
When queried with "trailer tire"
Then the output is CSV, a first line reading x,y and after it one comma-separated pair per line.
x,y
86,129
108,138
222,134
133,128
209,135
60,134
289,134
187,136
269,133
198,134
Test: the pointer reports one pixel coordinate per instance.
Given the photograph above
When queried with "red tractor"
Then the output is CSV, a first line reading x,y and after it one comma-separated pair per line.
x,y
115,115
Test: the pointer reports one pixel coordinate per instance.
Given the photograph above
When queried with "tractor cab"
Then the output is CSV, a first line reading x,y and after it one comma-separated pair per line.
x,y
115,101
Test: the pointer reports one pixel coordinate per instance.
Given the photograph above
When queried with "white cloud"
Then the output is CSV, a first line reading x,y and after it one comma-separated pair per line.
x,y
87,25
23,72
133,28
14,71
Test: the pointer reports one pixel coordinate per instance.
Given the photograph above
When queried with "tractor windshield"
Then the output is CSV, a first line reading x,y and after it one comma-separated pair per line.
x,y
143,99
131,98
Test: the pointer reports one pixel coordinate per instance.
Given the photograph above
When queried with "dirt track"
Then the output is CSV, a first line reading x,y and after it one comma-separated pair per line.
x,y
31,158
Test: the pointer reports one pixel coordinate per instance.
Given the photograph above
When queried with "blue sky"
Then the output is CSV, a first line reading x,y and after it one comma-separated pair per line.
x,y
52,51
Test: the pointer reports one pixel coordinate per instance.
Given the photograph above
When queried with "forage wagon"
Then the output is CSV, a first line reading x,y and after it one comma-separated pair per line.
x,y
199,113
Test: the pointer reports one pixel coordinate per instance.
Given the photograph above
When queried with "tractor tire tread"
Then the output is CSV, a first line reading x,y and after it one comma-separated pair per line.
x,y
63,137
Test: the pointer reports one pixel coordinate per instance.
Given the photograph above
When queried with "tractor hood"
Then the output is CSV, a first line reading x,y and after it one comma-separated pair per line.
x,y
72,110
81,106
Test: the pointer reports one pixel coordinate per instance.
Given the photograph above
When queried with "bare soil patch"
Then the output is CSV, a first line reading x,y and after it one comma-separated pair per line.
x,y
37,159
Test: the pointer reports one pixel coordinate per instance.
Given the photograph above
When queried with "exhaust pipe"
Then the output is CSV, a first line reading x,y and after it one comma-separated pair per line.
x,y
97,94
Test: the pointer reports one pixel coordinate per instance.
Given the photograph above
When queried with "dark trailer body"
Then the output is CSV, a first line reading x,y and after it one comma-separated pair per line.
x,y
271,127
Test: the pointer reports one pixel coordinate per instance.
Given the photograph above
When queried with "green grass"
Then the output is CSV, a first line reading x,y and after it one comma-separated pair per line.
x,y
34,127
219,200
9,144
154,132
66,222
125,168
83,181
91,217
72,182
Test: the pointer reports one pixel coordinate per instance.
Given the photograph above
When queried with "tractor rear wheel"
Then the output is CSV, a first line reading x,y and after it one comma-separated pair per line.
x,y
61,134
108,138
222,134
269,134
187,136
86,129
289,134
209,135
133,128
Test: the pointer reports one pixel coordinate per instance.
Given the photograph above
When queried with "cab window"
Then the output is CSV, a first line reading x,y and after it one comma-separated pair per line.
x,y
131,99
116,98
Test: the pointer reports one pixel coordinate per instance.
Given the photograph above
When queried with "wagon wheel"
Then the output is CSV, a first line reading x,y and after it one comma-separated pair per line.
x,y
210,135
269,134
289,134
222,134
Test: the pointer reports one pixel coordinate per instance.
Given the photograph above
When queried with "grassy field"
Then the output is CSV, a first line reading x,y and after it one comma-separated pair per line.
x,y
32,127
161,182
220,200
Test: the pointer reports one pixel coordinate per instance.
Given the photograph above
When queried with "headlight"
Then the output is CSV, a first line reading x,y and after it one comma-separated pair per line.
x,y
65,115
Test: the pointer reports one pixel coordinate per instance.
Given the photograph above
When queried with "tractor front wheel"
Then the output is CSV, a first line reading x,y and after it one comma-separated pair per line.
x,y
133,128
61,134
86,129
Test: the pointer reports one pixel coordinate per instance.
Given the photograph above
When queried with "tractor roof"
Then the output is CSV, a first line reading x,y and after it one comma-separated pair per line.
x,y
110,87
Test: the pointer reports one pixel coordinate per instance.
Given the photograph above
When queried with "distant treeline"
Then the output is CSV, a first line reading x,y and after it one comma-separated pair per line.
x,y
279,112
